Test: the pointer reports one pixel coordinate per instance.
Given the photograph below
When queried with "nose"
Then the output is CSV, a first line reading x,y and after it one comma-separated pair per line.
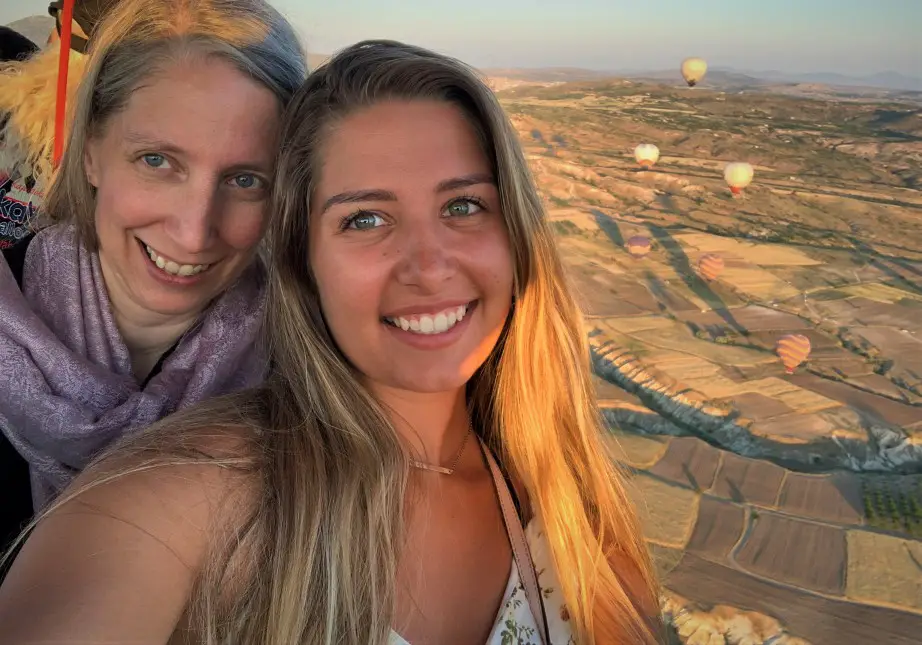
x,y
192,225
427,259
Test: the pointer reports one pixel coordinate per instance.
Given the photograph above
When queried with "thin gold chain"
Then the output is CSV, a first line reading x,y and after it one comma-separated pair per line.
x,y
443,469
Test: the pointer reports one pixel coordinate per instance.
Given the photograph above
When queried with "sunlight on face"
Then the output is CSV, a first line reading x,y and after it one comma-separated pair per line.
x,y
182,177
409,246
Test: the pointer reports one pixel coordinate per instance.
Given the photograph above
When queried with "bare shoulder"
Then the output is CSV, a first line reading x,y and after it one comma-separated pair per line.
x,y
117,557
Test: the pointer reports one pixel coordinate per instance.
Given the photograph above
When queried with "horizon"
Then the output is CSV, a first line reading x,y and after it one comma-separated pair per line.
x,y
850,37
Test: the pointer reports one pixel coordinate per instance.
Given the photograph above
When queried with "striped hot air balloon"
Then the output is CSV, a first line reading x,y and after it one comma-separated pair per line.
x,y
638,246
710,266
793,349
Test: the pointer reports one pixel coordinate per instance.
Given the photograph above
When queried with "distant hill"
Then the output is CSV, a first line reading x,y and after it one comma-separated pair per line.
x,y
547,74
717,77
885,80
35,28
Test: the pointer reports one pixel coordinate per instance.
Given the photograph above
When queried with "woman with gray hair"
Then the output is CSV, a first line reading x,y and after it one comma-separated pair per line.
x,y
145,295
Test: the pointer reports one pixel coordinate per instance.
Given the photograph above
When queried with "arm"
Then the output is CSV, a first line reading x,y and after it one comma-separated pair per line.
x,y
118,563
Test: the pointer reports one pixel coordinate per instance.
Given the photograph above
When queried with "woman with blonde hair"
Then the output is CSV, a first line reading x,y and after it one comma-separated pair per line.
x,y
145,295
425,464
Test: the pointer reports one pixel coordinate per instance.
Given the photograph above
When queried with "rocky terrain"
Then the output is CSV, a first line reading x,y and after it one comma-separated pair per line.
x,y
781,507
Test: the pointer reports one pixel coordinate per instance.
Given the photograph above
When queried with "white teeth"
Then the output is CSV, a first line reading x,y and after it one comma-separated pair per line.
x,y
173,268
431,324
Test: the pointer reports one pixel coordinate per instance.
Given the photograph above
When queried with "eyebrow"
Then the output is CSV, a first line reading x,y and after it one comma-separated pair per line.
x,y
379,195
137,138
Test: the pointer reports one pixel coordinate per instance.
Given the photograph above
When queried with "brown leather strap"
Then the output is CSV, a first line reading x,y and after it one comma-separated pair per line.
x,y
519,544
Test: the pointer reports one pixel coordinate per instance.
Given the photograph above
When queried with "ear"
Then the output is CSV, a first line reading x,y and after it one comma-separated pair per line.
x,y
91,160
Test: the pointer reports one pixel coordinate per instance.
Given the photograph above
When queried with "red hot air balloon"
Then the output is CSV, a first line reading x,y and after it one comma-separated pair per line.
x,y
793,349
646,155
738,175
710,266
638,246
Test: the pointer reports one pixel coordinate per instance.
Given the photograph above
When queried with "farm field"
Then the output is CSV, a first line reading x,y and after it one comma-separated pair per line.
x,y
788,502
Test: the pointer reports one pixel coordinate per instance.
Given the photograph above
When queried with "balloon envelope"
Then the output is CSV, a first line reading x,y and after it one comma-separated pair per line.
x,y
738,175
693,70
792,349
646,154
638,245
710,266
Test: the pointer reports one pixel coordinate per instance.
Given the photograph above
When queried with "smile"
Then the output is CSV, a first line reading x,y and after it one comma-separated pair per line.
x,y
169,266
429,324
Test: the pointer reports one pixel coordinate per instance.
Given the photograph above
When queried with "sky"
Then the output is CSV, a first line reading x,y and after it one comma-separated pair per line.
x,y
854,37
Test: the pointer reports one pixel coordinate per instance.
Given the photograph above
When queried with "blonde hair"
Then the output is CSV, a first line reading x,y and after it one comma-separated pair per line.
x,y
139,37
315,562
28,100
533,400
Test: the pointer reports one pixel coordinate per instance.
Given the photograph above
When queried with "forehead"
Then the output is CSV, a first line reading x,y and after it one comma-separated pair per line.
x,y
415,144
204,107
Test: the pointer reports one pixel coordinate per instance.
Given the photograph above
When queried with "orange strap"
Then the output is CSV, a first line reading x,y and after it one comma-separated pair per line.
x,y
67,17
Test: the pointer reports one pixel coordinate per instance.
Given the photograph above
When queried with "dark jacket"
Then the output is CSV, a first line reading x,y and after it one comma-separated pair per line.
x,y
15,46
15,484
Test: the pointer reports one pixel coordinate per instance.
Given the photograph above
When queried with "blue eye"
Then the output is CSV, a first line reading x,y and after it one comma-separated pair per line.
x,y
247,181
155,161
362,221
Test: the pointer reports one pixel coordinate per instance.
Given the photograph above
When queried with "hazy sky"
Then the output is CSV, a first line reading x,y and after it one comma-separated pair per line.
x,y
849,36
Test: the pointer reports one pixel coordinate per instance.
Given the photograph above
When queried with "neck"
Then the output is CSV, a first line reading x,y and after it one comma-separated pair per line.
x,y
432,425
149,338
147,335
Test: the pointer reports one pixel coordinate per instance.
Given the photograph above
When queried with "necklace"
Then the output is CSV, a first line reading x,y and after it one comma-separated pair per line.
x,y
422,465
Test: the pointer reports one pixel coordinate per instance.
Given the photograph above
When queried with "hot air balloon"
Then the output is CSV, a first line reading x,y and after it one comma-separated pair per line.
x,y
738,175
646,154
710,266
638,246
793,349
693,70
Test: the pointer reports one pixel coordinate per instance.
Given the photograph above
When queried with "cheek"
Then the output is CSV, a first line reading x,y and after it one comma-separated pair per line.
x,y
350,293
496,266
242,227
119,205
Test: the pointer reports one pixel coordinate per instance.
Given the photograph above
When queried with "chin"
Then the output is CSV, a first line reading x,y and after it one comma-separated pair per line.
x,y
429,384
176,306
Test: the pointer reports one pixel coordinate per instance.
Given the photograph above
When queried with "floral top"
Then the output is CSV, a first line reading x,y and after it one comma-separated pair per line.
x,y
514,624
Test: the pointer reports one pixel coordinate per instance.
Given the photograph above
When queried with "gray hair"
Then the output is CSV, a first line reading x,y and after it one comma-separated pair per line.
x,y
139,37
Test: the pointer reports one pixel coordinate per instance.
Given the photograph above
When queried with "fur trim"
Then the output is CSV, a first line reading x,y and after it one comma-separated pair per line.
x,y
28,96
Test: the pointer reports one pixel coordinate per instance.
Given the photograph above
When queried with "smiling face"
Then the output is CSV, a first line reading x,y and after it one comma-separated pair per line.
x,y
182,178
409,247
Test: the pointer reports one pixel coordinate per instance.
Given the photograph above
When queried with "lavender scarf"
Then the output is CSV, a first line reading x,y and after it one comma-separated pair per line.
x,y
66,384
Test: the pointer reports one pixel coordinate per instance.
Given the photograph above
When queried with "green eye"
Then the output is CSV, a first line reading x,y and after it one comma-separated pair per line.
x,y
464,208
363,221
